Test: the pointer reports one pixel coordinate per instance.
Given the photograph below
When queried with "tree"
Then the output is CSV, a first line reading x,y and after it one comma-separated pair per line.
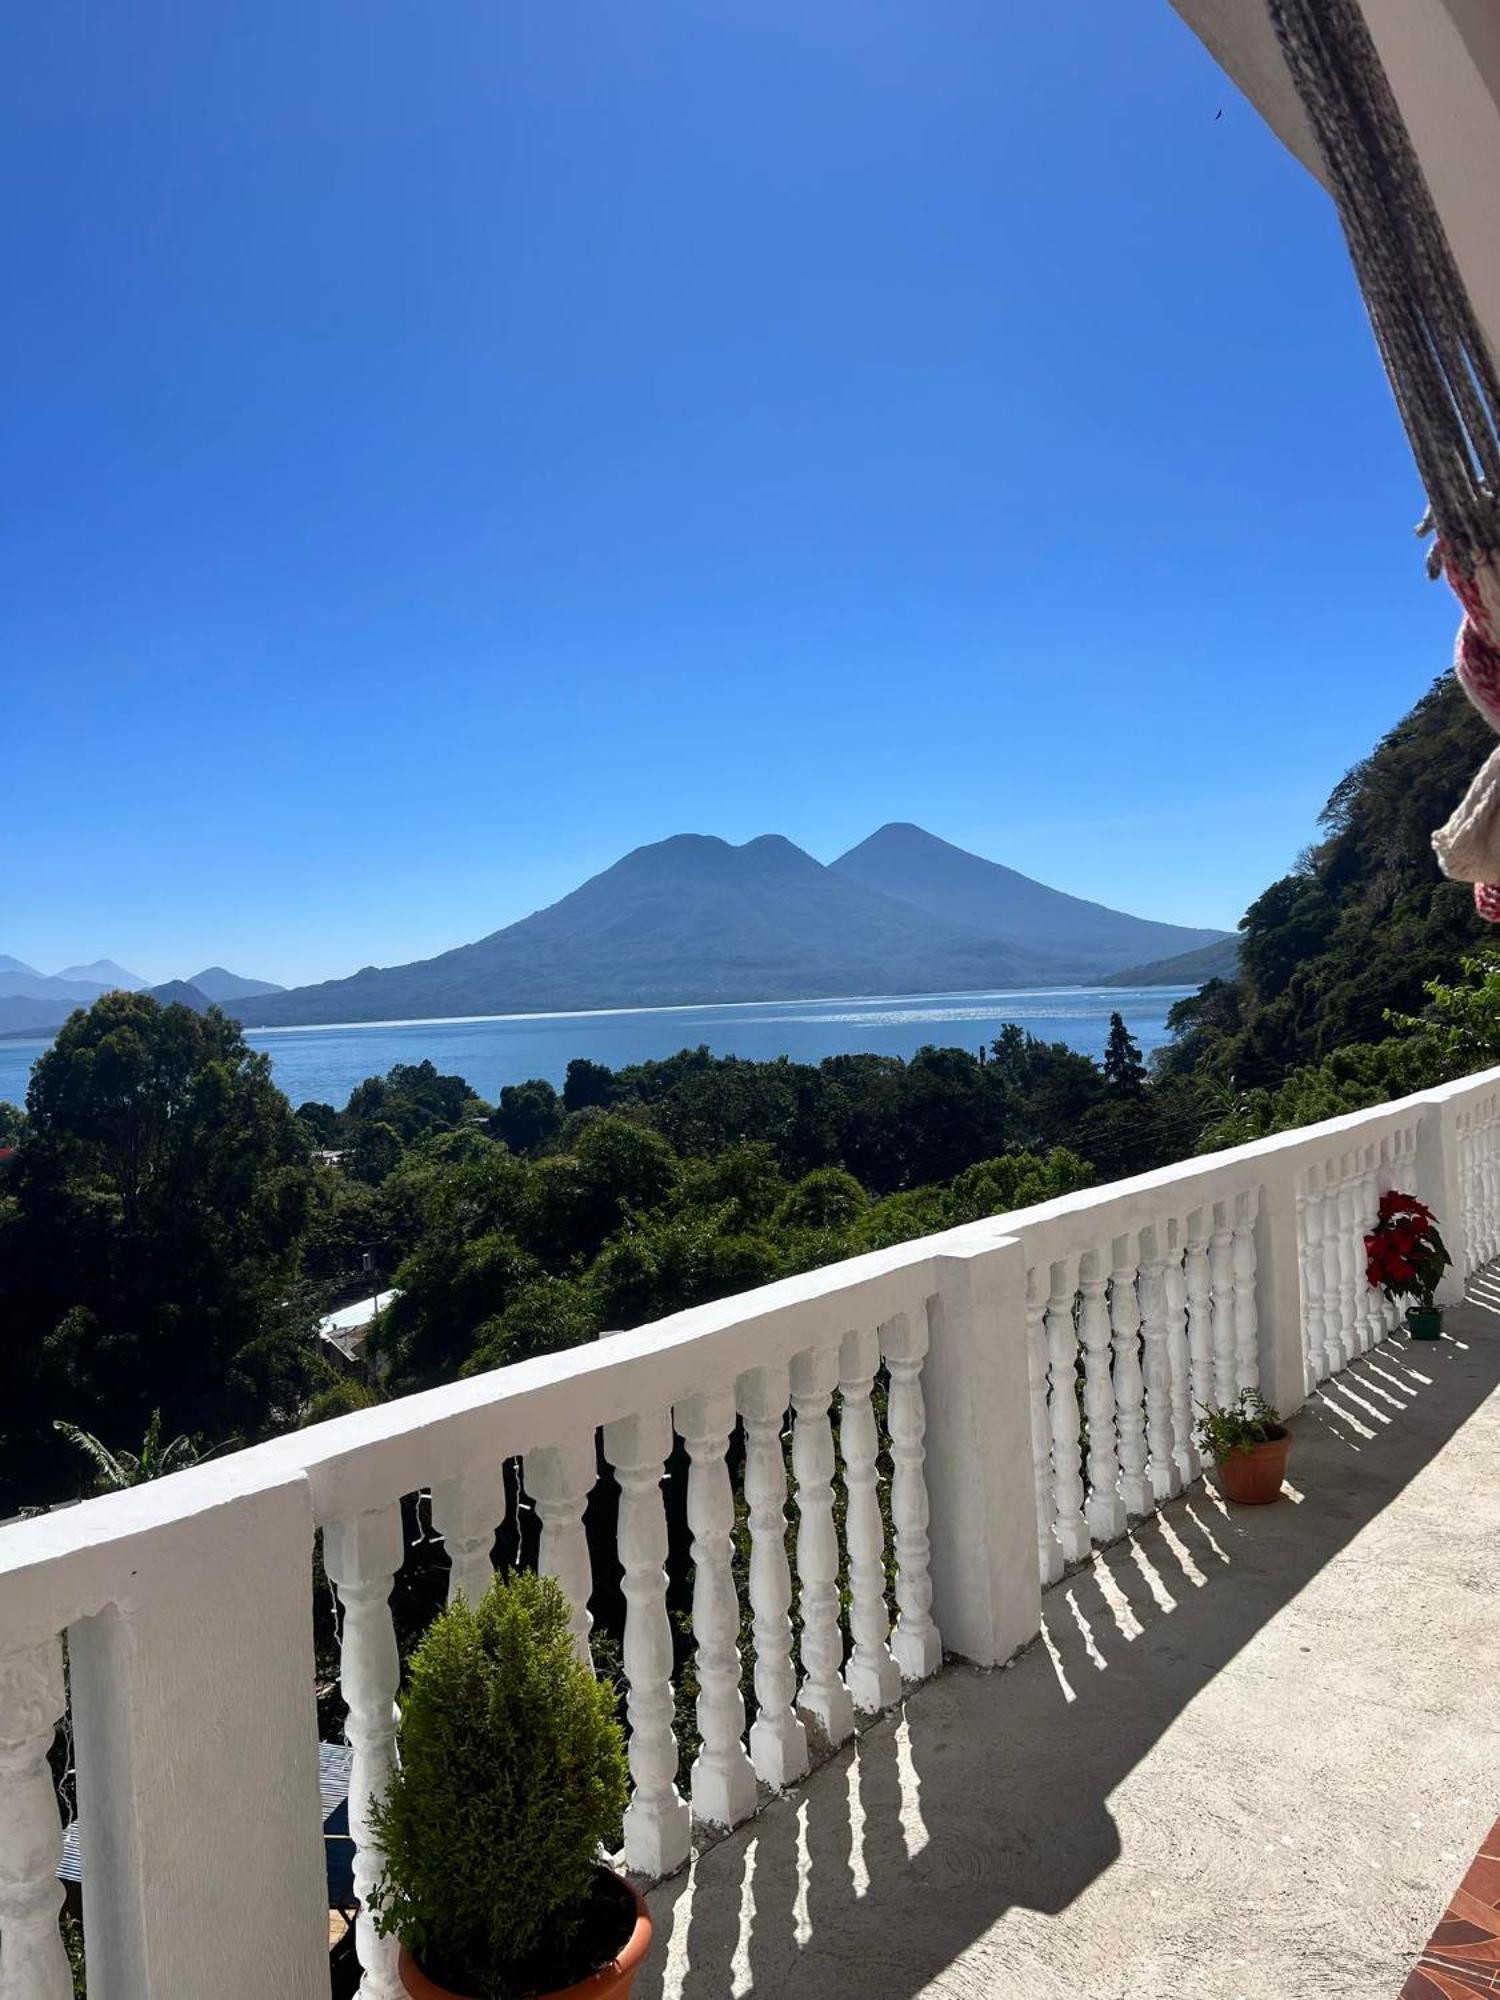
x,y
1124,1072
529,1116
115,1470
149,1240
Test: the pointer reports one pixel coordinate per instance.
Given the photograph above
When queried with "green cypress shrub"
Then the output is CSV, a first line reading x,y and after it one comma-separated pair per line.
x,y
512,1775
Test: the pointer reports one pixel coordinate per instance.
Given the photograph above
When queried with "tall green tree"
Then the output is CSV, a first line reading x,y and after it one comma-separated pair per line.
x,y
150,1229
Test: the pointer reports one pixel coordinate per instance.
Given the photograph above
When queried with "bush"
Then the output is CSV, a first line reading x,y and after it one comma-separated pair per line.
x,y
511,1777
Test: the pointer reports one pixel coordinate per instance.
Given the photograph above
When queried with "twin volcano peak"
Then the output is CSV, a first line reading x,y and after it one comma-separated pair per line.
x,y
698,919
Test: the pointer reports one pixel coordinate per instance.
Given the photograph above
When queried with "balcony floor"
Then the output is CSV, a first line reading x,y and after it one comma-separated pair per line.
x,y
1252,1757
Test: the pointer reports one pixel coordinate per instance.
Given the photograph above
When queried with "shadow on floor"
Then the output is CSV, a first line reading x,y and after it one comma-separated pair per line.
x,y
990,1791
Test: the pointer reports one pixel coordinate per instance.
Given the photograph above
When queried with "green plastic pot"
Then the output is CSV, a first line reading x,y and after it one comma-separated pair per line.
x,y
1424,1322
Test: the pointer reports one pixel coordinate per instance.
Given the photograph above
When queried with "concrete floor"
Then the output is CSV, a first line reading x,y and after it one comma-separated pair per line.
x,y
1250,1760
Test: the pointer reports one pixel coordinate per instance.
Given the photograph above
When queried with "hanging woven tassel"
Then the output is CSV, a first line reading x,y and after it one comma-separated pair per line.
x,y
1435,354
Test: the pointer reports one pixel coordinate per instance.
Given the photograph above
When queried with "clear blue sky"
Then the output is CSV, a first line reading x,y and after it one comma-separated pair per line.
x,y
446,446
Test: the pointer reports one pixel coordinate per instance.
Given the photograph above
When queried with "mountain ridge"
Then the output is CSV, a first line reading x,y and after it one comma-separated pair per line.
x,y
695,919
918,867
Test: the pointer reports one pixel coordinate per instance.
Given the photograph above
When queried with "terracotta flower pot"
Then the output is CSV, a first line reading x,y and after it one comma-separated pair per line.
x,y
610,1982
1424,1322
1253,1478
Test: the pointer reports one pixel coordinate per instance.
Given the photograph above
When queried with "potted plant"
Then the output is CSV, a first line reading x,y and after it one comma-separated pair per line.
x,y
1248,1443
511,1779
1406,1257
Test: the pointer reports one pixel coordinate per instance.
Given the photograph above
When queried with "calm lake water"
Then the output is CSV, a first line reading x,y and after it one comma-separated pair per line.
x,y
326,1063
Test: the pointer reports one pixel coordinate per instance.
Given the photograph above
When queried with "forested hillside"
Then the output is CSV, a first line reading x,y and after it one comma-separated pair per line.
x,y
1360,924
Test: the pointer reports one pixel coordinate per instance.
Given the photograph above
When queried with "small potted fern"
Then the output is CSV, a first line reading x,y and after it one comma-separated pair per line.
x,y
511,1779
1248,1443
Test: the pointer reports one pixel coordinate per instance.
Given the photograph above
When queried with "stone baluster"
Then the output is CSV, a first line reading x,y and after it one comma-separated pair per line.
x,y
1197,1286
1184,1451
1071,1525
1221,1316
1487,1181
1335,1350
778,1738
1105,1509
1048,1548
823,1693
1351,1267
916,1642
33,1964
1130,1388
1246,1317
1372,1299
560,1478
723,1779
467,1512
658,1827
1156,1364
1314,1310
361,1555
872,1675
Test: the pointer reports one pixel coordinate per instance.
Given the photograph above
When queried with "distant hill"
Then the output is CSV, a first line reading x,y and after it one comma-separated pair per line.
x,y
21,1015
687,919
1189,968
107,975
906,862
182,993
221,987
21,981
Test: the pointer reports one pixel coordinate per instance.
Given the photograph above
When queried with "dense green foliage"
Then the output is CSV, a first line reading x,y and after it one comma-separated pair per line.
x,y
151,1228
511,1777
1363,921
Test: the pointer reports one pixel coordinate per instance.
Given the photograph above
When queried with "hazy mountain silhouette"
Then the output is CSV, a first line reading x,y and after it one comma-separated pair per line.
x,y
914,866
694,919
687,919
221,986
1189,968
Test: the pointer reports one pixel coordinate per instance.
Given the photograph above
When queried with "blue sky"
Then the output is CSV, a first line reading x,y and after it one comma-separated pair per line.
x,y
448,446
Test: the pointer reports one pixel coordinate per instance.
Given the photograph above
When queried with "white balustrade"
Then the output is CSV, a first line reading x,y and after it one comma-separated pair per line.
x,y
1315,1311
723,1786
467,1512
1338,1346
1186,1463
1105,1508
362,1554
1071,1523
823,1693
872,1675
1221,1305
658,1826
778,1737
1246,1321
33,1963
1049,1552
915,1642
1198,1288
1351,1264
1156,1365
1158,1294
1130,1389
560,1478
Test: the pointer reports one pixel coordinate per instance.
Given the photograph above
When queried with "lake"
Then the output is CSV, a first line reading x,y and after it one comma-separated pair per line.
x,y
326,1063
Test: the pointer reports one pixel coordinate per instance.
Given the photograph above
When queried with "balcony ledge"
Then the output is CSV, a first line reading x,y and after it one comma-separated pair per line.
x,y
1252,1753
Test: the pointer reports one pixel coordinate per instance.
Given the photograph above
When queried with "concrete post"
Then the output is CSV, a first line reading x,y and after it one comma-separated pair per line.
x,y
197,1743
986,1591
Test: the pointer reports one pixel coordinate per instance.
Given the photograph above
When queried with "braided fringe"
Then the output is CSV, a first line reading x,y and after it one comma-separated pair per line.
x,y
1435,354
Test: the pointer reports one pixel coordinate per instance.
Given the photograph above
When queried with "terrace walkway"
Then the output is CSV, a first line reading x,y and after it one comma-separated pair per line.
x,y
1252,1756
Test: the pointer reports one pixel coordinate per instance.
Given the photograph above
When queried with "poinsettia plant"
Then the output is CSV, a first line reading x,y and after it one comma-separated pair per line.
x,y
1405,1253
